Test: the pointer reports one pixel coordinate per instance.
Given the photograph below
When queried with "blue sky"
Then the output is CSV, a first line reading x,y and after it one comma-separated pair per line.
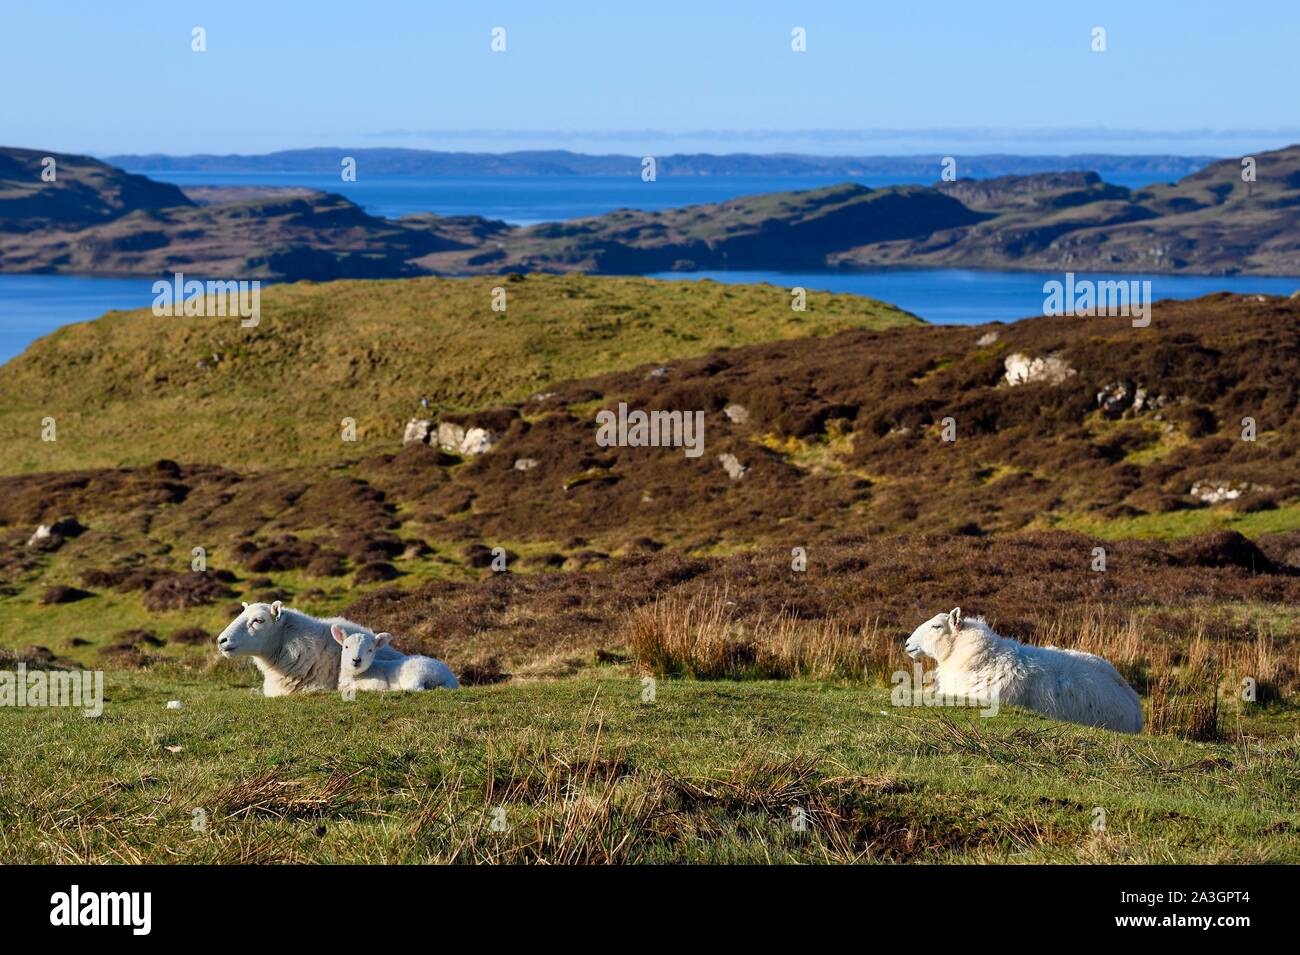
x,y
662,76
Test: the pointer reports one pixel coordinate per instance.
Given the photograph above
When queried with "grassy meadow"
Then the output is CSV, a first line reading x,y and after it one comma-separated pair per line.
x,y
588,770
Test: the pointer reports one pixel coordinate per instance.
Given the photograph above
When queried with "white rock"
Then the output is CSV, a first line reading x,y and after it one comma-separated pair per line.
x,y
477,441
731,464
41,533
988,338
1021,369
450,436
1216,493
174,704
737,413
417,431
525,464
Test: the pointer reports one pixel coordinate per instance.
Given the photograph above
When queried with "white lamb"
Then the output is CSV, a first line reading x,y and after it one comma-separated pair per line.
x,y
361,668
292,649
977,664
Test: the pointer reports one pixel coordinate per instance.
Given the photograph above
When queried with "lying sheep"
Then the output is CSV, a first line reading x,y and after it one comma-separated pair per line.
x,y
292,649
362,668
975,663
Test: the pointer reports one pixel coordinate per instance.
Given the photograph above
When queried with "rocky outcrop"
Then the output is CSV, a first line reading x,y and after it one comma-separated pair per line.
x,y
466,437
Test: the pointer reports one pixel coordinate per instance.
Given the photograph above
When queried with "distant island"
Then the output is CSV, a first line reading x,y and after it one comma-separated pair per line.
x,y
98,219
559,162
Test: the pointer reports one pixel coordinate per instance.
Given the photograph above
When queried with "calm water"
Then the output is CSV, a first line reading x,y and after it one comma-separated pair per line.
x,y
524,200
35,305
963,297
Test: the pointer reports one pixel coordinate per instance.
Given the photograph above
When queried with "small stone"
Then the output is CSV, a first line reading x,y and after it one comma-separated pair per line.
x,y
731,464
737,413
174,704
525,464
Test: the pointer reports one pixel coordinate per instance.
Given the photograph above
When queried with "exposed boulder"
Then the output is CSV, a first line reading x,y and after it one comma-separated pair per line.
x,y
1216,492
1023,370
418,431
1127,398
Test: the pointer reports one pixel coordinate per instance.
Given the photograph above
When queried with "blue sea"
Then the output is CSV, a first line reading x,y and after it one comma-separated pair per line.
x,y
527,200
35,305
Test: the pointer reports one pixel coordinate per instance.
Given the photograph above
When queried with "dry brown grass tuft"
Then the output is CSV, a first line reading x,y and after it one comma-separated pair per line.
x,y
1185,707
703,636
266,794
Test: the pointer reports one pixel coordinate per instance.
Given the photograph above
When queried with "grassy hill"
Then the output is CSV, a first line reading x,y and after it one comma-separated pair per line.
x,y
132,387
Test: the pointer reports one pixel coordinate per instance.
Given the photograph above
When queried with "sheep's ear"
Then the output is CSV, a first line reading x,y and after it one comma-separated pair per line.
x,y
954,619
275,610
337,633
383,639
245,605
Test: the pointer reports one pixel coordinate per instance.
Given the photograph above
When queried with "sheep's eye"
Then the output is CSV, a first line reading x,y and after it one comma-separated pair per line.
x,y
937,626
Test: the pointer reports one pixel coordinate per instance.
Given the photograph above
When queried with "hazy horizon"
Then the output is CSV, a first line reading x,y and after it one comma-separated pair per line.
x,y
1175,78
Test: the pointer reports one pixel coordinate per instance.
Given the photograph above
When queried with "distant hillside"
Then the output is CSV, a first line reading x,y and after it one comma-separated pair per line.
x,y
787,230
558,162
95,219
1208,223
84,192
98,220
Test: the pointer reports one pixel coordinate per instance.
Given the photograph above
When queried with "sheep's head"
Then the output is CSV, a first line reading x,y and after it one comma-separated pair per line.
x,y
358,648
934,638
254,632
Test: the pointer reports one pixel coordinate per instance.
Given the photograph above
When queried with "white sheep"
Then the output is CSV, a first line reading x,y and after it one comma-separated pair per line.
x,y
292,649
976,664
360,666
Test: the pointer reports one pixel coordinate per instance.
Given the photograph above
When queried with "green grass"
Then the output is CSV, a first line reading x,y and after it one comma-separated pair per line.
x,y
128,388
1185,523
586,771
